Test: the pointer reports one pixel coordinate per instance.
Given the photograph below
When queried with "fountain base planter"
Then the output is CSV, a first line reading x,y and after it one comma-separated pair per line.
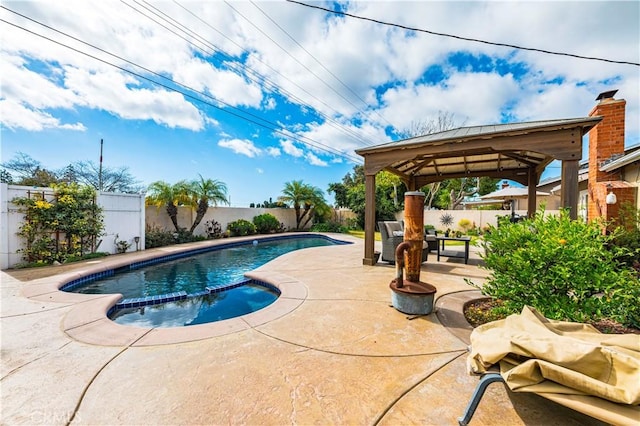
x,y
412,298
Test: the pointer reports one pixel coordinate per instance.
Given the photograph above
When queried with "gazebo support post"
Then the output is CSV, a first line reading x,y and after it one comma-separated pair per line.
x,y
369,219
569,190
531,199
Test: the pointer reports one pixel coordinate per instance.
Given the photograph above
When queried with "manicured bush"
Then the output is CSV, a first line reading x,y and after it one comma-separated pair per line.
x,y
156,237
266,223
241,227
567,269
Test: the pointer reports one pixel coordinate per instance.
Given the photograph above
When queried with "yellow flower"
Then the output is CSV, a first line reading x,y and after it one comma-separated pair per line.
x,y
562,241
42,204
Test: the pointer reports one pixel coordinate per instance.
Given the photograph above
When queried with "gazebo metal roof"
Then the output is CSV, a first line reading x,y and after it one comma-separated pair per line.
x,y
503,150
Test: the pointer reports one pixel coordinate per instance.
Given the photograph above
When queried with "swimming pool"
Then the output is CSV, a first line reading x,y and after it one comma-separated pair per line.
x,y
194,287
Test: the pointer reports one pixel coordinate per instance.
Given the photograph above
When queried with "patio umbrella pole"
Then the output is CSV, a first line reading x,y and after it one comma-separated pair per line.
x,y
410,295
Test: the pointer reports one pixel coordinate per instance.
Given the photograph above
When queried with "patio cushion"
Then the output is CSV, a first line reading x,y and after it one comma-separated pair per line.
x,y
393,227
539,355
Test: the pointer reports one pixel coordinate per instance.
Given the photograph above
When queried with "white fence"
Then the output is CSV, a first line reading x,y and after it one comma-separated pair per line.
x,y
479,218
123,217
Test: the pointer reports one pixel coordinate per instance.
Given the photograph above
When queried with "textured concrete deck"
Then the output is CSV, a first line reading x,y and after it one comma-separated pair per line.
x,y
331,352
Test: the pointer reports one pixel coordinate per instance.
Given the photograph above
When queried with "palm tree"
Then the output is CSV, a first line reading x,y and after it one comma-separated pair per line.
x,y
204,193
303,198
161,194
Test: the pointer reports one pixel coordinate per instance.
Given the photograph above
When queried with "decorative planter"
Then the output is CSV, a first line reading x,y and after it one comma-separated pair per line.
x,y
413,298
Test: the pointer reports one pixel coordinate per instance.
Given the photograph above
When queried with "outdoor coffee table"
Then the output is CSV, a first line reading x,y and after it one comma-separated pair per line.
x,y
453,253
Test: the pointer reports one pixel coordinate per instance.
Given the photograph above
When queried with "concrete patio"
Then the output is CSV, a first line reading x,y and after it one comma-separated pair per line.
x,y
331,351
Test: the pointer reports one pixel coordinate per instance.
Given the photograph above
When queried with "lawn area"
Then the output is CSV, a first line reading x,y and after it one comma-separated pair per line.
x,y
360,234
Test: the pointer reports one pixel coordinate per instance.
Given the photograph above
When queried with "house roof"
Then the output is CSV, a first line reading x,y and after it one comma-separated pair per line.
x,y
621,162
501,150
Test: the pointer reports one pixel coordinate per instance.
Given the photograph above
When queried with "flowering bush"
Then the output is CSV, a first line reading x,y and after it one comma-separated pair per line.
x,y
567,269
66,226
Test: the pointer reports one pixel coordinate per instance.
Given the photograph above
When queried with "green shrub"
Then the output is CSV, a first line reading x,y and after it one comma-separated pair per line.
x,y
156,237
464,224
241,227
266,223
60,226
627,236
565,268
330,227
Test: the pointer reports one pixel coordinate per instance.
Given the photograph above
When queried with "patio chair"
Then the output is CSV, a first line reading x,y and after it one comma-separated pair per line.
x,y
430,237
571,364
392,234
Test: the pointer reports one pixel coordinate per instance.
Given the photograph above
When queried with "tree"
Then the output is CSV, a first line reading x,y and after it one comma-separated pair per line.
x,y
5,177
339,191
23,166
447,194
351,193
304,198
161,194
28,171
113,179
204,193
445,121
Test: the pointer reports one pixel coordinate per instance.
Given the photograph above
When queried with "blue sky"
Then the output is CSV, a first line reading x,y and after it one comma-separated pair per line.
x,y
310,87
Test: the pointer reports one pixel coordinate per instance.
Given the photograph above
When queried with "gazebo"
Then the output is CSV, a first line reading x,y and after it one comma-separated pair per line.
x,y
516,151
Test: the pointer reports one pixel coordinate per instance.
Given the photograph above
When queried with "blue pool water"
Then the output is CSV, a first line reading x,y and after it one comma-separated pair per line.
x,y
195,273
194,288
200,309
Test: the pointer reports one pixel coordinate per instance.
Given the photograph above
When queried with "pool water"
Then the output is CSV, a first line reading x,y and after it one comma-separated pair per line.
x,y
194,273
199,310
195,288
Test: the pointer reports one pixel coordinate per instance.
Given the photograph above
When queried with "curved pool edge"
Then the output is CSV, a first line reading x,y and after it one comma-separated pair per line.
x,y
87,320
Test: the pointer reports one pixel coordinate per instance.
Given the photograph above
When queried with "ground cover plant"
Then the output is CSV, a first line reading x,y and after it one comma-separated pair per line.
x,y
566,269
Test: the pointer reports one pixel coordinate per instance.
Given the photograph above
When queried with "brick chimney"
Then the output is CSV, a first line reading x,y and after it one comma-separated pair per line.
x,y
606,141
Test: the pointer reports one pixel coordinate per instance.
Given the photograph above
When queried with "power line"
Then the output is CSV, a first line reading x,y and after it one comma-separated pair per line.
x,y
262,79
317,61
275,128
475,40
302,65
292,57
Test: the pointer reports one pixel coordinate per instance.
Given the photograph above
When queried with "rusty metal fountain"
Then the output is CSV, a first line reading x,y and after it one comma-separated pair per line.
x,y
410,295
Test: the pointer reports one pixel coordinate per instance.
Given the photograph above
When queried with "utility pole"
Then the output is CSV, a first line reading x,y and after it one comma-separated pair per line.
x,y
100,169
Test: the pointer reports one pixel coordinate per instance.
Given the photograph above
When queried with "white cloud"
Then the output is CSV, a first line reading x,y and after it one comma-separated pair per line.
x,y
15,116
289,148
314,160
260,171
241,146
273,151
124,96
270,104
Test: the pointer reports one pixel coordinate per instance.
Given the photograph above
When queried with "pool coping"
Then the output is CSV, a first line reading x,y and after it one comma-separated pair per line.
x,y
87,319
